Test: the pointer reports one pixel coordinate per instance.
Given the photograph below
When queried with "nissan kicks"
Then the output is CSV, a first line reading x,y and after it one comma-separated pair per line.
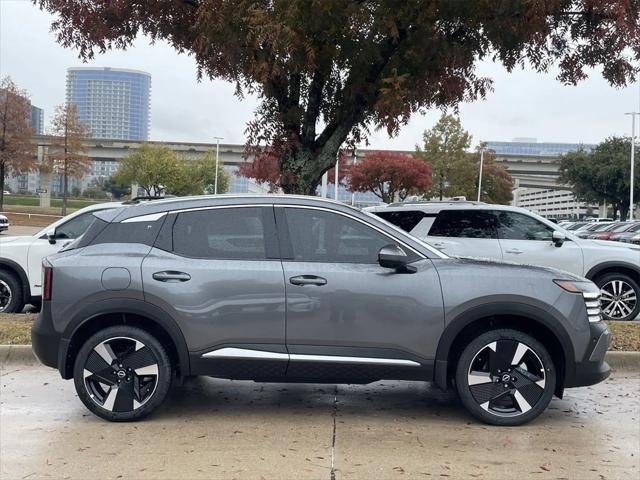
x,y
298,289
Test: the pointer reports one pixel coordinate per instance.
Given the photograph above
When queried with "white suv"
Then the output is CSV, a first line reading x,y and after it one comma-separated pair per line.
x,y
500,232
21,257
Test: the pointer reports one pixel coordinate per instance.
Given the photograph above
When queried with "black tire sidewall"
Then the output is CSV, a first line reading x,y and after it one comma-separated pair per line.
x,y
606,278
464,363
164,373
15,285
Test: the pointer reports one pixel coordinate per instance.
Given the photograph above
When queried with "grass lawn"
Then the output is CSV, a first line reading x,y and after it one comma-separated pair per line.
x,y
15,329
30,201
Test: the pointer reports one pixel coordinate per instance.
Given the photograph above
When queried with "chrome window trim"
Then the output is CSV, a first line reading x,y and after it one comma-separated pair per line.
x,y
248,354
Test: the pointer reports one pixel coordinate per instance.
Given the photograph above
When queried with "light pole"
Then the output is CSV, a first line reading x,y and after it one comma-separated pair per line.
x,y
335,190
215,182
355,160
633,151
482,149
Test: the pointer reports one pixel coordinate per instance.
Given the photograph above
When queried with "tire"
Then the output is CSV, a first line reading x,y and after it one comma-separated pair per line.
x,y
11,293
133,384
620,296
505,398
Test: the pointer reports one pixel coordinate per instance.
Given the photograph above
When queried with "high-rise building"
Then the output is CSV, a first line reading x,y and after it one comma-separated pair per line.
x,y
37,120
113,102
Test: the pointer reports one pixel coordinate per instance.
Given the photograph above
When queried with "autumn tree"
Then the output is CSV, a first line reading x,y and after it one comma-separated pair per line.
x,y
445,148
67,152
602,175
497,183
326,71
17,154
389,174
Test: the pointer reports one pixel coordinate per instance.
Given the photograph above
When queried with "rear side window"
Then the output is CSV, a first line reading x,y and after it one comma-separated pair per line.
x,y
464,224
224,233
406,220
129,232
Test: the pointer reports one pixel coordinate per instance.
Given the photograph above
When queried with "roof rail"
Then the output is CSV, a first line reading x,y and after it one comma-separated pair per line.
x,y
436,202
136,200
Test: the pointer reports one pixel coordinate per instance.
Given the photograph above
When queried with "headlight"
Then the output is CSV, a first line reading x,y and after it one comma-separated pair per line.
x,y
591,294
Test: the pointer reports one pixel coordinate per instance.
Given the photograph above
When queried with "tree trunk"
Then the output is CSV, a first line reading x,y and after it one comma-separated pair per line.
x,y
302,169
2,186
65,189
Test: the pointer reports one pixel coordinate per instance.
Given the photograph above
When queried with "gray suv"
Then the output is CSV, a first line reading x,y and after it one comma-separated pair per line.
x,y
298,289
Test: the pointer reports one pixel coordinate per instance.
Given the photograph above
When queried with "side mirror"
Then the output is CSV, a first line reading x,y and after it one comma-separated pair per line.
x,y
51,236
392,256
558,238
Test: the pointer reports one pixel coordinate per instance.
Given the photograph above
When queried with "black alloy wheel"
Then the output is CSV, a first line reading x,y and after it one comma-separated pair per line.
x,y
122,373
505,377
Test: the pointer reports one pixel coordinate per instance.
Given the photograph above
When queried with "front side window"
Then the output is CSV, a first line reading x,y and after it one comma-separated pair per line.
x,y
464,224
225,233
76,226
517,226
319,236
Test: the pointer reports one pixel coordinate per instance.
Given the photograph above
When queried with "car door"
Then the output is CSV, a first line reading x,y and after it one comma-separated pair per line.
x,y
348,318
465,233
41,247
217,272
525,239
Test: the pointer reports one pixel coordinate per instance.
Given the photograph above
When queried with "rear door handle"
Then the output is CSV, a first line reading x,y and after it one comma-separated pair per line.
x,y
171,276
308,280
514,251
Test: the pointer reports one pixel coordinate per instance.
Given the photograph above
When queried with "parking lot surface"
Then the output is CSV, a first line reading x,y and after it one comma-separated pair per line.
x,y
212,428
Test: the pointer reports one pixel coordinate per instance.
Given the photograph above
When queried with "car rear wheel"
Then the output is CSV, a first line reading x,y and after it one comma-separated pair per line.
x,y
619,296
505,377
122,373
10,293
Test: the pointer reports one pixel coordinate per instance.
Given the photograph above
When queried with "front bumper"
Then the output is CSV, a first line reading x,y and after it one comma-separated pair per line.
x,y
592,368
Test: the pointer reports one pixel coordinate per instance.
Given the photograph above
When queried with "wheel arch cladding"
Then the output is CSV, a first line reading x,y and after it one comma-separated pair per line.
x,y
525,318
614,267
123,312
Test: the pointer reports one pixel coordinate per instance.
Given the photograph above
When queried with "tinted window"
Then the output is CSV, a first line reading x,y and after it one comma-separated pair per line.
x,y
228,233
130,232
319,236
516,226
406,220
76,226
464,223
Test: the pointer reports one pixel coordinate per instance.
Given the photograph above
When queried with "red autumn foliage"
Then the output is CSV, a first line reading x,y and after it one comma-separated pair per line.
x,y
389,173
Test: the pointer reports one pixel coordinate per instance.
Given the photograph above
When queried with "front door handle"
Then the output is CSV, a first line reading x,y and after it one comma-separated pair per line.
x,y
308,280
515,251
171,276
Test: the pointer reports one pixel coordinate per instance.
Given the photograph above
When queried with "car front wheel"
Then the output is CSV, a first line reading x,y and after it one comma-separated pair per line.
x,y
122,373
505,377
619,295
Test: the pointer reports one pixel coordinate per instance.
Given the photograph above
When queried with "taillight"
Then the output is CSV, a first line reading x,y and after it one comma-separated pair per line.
x,y
47,283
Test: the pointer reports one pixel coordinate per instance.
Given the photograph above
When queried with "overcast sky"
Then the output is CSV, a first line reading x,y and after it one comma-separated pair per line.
x,y
524,104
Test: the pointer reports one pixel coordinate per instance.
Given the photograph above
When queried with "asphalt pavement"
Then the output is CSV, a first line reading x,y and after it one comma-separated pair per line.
x,y
212,428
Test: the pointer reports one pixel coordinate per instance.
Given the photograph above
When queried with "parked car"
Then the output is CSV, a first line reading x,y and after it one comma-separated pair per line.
x,y
627,235
514,234
606,234
576,225
298,289
4,224
587,231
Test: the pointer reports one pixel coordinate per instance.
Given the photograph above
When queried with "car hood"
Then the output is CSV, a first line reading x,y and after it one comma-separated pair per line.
x,y
20,240
616,245
493,266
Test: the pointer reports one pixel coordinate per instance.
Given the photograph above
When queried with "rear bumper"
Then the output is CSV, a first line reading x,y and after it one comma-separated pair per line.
x,y
44,339
592,369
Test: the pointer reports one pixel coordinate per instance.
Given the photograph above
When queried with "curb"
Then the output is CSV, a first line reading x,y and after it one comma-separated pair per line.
x,y
17,355
23,355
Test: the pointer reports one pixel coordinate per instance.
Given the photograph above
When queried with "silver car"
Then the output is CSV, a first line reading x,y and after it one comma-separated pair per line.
x,y
298,289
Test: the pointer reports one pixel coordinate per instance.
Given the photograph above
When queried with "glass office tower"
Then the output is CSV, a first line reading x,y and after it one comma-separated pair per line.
x,y
113,102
